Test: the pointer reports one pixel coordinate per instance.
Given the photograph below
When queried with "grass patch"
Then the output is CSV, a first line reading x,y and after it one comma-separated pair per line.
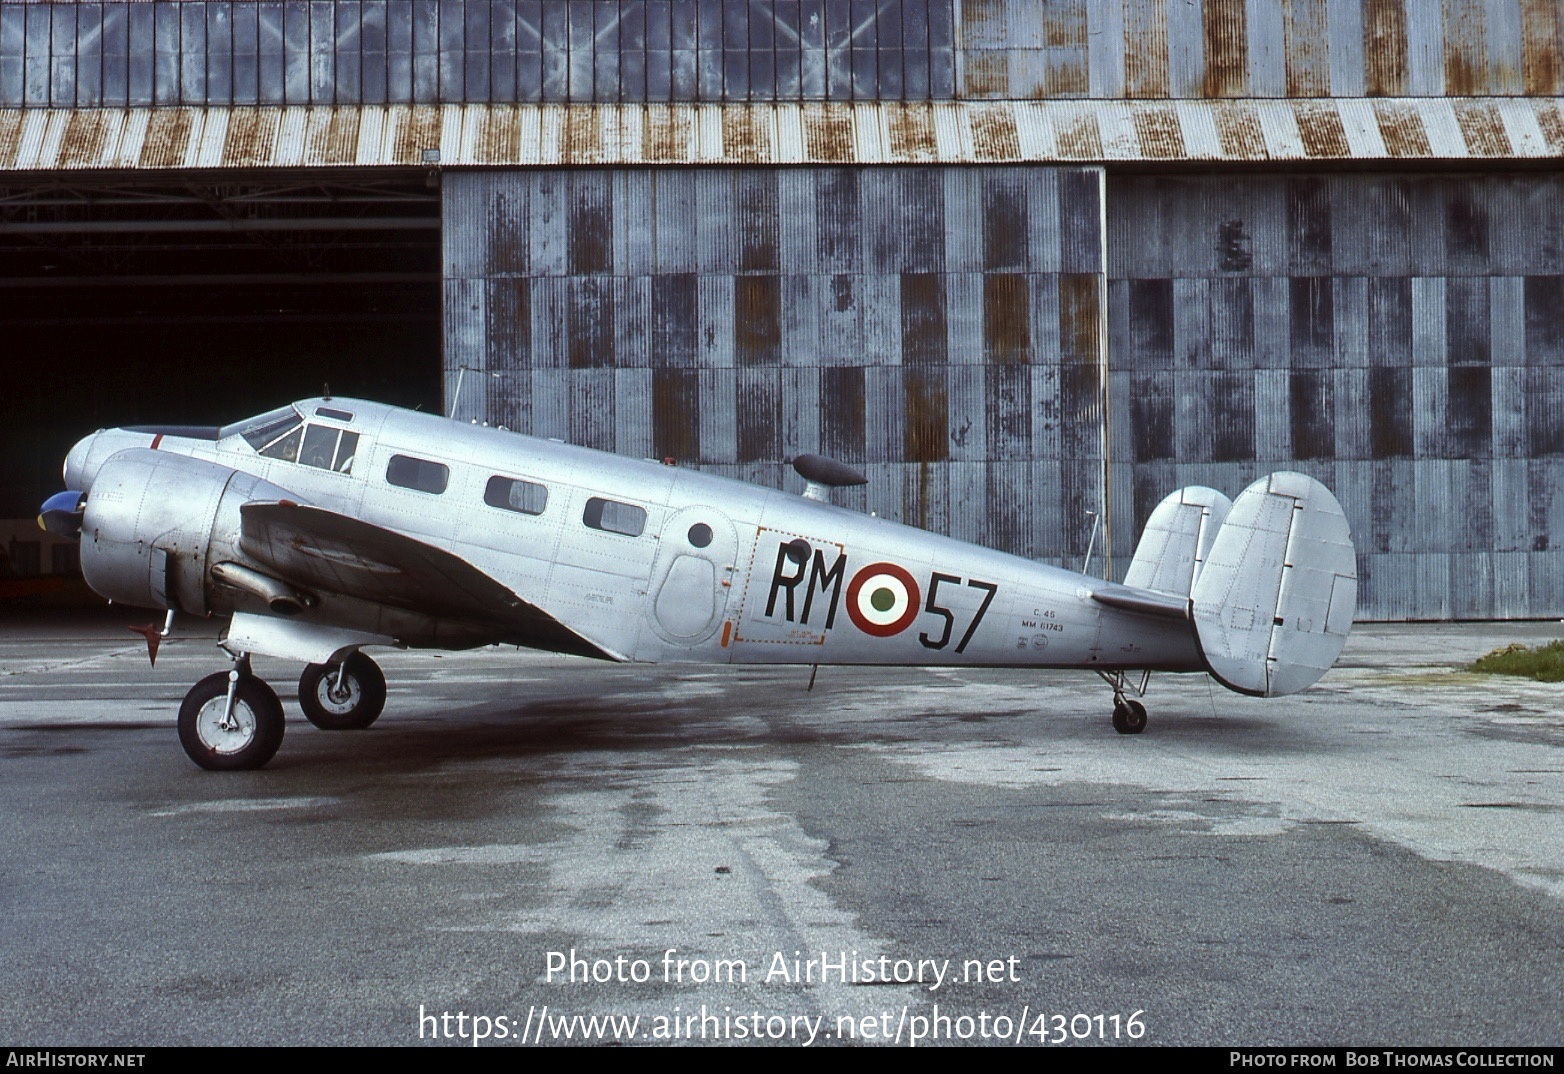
x,y
1544,663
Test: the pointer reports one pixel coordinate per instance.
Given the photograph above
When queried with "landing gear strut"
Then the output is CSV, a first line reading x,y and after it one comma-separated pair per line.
x,y
1129,715
347,696
231,721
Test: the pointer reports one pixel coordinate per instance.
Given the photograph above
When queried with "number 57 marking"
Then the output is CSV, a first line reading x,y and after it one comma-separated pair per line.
x,y
933,605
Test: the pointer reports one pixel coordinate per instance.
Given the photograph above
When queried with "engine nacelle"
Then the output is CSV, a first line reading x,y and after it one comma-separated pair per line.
x,y
156,522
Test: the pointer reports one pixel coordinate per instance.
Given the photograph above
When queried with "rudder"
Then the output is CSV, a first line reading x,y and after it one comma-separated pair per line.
x,y
1177,540
1273,605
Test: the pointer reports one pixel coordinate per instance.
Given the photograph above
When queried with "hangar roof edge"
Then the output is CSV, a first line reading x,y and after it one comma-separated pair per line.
x,y
956,132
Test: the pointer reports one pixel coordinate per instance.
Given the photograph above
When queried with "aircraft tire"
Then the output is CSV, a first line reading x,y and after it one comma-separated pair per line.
x,y
257,714
1129,718
365,700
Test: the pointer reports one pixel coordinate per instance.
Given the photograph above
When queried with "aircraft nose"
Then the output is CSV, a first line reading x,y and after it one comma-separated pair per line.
x,y
76,476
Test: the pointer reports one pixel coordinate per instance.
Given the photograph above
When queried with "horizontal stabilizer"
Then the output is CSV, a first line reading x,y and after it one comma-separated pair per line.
x,y
1177,540
1273,604
1144,601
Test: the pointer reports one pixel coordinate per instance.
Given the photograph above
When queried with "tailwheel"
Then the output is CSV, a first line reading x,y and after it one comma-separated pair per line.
x,y
231,721
1129,717
346,696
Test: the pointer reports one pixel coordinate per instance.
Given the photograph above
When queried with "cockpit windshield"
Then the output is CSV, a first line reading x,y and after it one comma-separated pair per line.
x,y
282,434
263,430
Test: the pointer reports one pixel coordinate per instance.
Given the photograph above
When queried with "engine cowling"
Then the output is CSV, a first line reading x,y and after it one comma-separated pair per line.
x,y
156,522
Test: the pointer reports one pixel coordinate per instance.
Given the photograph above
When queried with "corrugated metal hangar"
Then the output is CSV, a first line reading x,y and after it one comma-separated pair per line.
x,y
1028,263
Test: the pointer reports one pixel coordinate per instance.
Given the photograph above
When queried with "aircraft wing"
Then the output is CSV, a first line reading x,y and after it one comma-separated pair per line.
x,y
324,550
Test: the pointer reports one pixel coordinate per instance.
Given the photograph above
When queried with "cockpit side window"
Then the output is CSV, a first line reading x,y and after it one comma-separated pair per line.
x,y
320,446
285,447
347,447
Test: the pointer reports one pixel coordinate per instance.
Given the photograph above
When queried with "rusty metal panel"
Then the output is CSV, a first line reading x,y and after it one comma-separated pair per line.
x,y
1483,129
1542,45
12,127
1385,47
1145,49
1159,133
1225,49
1238,131
499,134
589,323
1081,200
1322,132
1465,47
507,314
1307,48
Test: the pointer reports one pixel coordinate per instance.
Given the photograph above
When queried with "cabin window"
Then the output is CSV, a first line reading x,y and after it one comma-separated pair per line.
x,y
614,517
513,494
334,415
419,474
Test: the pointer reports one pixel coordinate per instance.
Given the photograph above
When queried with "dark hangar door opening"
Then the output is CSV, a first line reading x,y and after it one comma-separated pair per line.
x,y
198,300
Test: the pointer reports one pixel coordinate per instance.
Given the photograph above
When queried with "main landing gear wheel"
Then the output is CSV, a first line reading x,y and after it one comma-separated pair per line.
x,y
343,697
246,738
1129,717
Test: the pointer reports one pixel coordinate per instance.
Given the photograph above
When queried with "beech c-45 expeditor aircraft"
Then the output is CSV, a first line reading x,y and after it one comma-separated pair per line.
x,y
333,525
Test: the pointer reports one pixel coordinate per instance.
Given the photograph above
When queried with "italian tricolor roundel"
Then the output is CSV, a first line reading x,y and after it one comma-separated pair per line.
x,y
882,599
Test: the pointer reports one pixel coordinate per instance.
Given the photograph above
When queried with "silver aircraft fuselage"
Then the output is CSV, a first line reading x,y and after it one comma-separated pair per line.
x,y
654,563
